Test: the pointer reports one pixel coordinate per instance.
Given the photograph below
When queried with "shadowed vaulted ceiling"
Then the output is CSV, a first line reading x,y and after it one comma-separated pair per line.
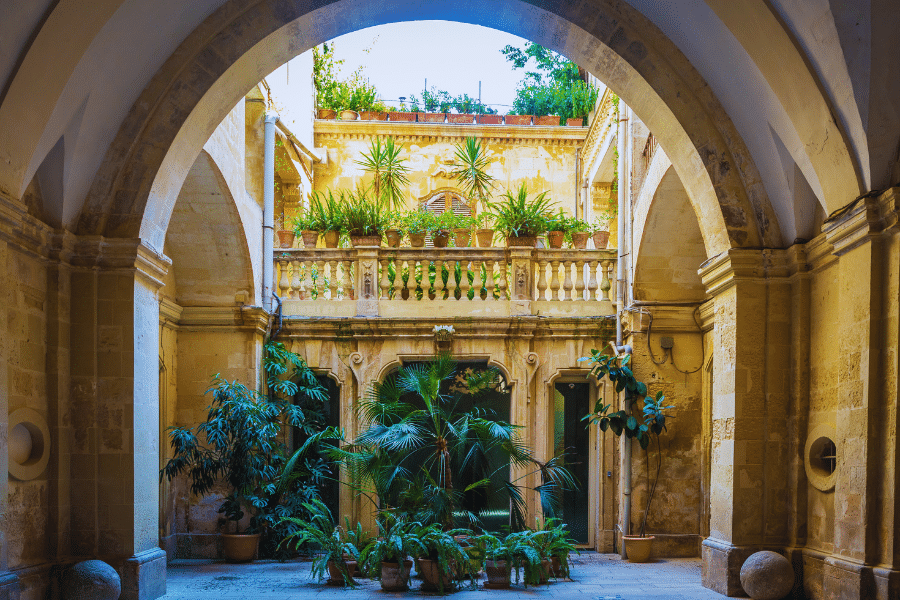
x,y
766,108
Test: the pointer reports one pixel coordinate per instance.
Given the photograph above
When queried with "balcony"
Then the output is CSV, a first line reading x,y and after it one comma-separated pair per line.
x,y
444,282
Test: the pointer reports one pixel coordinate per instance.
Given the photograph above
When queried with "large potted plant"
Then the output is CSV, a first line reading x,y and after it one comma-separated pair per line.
x,y
442,558
328,214
418,223
520,218
517,552
365,218
336,555
388,556
646,429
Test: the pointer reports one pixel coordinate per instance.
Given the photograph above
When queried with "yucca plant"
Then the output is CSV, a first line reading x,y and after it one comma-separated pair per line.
x,y
390,174
470,164
515,215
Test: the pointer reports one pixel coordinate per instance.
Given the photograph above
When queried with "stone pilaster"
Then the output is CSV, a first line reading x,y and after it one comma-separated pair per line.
x,y
114,403
748,507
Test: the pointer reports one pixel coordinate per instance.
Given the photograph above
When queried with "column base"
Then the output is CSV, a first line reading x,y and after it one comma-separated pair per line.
x,y
144,575
721,568
9,586
849,580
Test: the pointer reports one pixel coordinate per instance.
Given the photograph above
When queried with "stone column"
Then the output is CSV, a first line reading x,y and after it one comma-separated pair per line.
x,y
748,507
114,410
864,238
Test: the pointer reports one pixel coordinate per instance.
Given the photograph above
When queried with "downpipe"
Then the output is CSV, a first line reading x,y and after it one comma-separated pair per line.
x,y
268,227
621,136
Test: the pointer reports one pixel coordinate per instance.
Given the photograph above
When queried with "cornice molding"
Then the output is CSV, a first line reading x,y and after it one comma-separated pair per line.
x,y
245,318
861,220
17,227
599,130
707,315
449,133
120,254
737,265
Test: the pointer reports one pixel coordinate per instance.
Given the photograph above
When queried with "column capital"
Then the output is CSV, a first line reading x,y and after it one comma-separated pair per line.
x,y
862,219
725,270
113,254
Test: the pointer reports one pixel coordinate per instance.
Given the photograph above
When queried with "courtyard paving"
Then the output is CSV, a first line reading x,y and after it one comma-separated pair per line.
x,y
594,577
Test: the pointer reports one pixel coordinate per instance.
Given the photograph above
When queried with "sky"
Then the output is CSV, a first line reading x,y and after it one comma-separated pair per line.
x,y
399,57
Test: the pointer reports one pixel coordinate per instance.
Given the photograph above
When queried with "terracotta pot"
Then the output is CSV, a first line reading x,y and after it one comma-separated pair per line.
x,y
332,238
518,119
335,577
393,237
579,122
365,240
497,574
462,237
310,238
434,117
601,238
240,547
485,237
440,239
391,580
349,115
556,569
638,548
460,119
372,115
579,239
547,120
417,240
409,117
555,238
521,240
352,565
545,571
490,119
326,113
432,575
286,238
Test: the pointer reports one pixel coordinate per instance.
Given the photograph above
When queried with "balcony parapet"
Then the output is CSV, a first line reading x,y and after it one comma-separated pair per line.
x,y
446,282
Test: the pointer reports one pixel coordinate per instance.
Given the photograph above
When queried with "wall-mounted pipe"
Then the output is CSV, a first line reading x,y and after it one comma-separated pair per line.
x,y
268,228
621,137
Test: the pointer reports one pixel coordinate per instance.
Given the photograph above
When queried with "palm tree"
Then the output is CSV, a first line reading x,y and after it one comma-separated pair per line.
x,y
470,164
422,441
390,173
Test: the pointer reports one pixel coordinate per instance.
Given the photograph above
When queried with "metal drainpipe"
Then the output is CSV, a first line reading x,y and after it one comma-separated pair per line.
x,y
621,136
268,228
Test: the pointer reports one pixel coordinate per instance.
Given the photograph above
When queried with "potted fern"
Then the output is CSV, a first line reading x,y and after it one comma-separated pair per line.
x,y
388,556
365,219
306,226
327,213
515,551
334,548
441,557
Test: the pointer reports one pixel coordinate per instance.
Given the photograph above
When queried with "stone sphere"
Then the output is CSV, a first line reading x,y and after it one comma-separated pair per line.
x,y
767,576
90,580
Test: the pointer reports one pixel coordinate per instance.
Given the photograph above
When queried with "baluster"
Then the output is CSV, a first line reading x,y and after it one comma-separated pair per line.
x,y
385,282
554,280
306,268
605,285
477,281
295,278
452,284
489,279
348,290
283,281
579,280
398,279
567,282
592,280
464,284
504,285
333,279
438,279
411,282
542,280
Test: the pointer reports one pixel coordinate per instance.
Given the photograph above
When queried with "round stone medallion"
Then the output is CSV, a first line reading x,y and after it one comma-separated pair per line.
x,y
767,575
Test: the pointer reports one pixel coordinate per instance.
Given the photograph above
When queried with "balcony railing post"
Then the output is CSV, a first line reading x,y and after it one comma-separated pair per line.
x,y
365,268
522,280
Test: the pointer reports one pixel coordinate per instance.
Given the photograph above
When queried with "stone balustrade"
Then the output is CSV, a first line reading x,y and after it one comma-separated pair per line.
x,y
447,282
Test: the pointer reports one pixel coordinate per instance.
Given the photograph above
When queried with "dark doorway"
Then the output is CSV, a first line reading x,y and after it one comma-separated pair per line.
x,y
330,411
571,402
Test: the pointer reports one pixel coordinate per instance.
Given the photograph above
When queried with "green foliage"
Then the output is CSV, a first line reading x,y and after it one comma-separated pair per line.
x,y
440,101
556,87
353,93
555,541
326,211
450,220
364,215
516,215
485,219
417,220
390,173
441,546
653,419
397,540
518,549
470,163
304,221
318,529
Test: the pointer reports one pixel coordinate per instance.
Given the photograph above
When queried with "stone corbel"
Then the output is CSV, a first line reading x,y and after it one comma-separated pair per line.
x,y
532,362
356,364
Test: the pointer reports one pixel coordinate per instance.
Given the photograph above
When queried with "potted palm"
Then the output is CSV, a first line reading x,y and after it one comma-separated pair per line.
x,y
365,219
389,555
648,428
522,219
333,546
327,212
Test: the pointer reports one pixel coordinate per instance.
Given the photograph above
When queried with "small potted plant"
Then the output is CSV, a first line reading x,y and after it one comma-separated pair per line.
x,y
333,546
306,226
365,219
326,113
522,219
515,551
484,232
441,557
579,232
443,225
556,545
461,225
394,232
327,212
285,236
547,120
600,229
518,119
389,554
418,223
556,229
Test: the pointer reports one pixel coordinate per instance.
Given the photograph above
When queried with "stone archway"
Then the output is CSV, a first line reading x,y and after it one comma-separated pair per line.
x,y
134,192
